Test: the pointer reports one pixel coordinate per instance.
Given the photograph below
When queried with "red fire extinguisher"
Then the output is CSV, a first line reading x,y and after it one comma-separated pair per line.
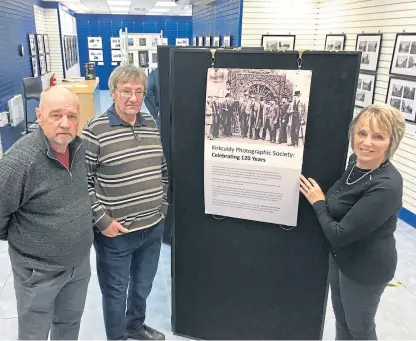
x,y
53,80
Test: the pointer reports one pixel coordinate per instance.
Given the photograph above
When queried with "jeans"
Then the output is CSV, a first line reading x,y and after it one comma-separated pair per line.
x,y
355,305
50,301
128,261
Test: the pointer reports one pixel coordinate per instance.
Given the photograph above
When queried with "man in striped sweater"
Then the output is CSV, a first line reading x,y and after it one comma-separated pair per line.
x,y
128,183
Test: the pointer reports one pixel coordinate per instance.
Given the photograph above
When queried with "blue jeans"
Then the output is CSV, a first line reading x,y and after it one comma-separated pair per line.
x,y
127,261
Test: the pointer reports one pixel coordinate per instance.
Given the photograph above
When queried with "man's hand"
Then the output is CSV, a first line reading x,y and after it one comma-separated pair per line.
x,y
114,229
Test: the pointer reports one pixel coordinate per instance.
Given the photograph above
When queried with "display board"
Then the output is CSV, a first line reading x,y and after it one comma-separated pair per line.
x,y
242,279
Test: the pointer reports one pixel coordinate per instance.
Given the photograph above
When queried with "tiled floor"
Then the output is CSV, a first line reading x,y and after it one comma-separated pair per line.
x,y
396,317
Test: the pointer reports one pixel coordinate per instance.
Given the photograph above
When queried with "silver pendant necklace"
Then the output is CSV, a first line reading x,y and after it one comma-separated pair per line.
x,y
347,182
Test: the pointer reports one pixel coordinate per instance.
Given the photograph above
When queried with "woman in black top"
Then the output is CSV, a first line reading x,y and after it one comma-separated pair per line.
x,y
358,215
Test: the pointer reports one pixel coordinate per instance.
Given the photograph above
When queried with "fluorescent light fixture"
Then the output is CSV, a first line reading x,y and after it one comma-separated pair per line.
x,y
118,8
159,10
118,3
165,4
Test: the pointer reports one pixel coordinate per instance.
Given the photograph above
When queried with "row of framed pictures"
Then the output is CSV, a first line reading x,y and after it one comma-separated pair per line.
x,y
401,94
70,51
209,41
41,64
38,44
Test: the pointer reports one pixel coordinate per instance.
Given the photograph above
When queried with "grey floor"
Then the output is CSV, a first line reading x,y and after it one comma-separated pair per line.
x,y
396,317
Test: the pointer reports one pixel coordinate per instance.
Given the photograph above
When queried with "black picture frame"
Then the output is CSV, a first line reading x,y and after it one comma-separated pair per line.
x,y
401,97
266,37
365,96
400,52
42,65
226,41
39,43
367,57
32,45
341,36
144,58
46,43
48,62
35,66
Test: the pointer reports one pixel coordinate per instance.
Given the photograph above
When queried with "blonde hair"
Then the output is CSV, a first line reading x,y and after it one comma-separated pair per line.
x,y
387,118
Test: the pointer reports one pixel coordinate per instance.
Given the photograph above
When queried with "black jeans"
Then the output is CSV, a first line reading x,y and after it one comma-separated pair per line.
x,y
355,305
127,261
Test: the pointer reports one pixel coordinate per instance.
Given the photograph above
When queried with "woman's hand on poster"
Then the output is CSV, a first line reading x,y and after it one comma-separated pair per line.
x,y
311,190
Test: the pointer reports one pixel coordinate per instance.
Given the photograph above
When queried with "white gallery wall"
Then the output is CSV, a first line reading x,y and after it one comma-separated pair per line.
x,y
69,28
312,20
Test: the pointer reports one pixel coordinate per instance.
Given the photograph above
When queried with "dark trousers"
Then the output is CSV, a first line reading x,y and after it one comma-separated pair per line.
x,y
127,261
355,306
50,301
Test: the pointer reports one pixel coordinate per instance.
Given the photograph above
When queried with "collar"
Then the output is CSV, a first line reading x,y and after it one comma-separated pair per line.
x,y
115,119
72,147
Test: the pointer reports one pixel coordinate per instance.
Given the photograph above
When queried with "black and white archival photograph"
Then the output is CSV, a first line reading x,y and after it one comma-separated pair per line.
x,y
182,42
115,43
365,90
335,42
402,95
216,41
46,43
226,42
35,69
200,41
142,41
96,55
278,42
48,62
116,55
257,106
404,57
370,46
95,43
208,41
194,41
42,65
144,58
32,44
41,47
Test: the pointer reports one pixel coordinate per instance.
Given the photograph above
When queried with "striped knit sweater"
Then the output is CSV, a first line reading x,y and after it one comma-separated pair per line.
x,y
127,172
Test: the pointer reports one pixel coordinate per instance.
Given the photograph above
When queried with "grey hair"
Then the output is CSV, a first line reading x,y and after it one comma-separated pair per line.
x,y
125,73
387,118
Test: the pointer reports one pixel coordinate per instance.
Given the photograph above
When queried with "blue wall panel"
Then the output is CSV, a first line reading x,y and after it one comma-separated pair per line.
x,y
107,26
220,18
17,20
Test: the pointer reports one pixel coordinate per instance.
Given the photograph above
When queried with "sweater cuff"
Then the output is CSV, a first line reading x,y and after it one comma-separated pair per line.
x,y
319,207
104,222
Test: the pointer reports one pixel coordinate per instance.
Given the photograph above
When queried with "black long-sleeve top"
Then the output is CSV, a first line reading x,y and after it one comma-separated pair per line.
x,y
359,221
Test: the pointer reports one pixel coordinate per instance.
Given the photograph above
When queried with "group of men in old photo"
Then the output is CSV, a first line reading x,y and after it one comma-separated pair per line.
x,y
278,120
61,193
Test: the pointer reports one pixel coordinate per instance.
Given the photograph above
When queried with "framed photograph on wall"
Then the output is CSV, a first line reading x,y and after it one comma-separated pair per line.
x,y
207,40
41,48
46,43
48,62
370,46
226,42
335,42
32,44
278,42
116,55
401,94
365,90
200,41
403,62
42,65
96,55
144,58
182,41
115,43
216,41
95,43
35,69
194,41
142,42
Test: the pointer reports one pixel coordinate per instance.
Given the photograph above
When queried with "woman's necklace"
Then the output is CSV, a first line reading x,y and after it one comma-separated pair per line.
x,y
347,181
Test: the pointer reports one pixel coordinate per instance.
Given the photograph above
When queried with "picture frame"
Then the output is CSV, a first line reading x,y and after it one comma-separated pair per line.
x,y
39,40
144,58
278,42
200,41
46,43
216,41
48,63
370,46
365,90
401,94
32,45
95,43
335,42
208,41
403,62
182,41
115,43
226,41
194,41
42,65
116,56
95,55
142,42
35,68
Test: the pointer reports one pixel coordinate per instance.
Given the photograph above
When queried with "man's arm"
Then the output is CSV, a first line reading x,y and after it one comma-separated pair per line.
x,y
12,184
92,149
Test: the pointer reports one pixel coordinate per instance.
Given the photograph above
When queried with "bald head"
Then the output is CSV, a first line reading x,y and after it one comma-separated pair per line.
x,y
58,116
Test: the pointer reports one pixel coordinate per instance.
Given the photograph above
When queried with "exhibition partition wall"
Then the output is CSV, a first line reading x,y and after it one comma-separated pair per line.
x,y
241,278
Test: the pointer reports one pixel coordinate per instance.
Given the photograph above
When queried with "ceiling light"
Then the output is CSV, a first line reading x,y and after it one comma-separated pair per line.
x,y
118,8
165,4
118,3
161,10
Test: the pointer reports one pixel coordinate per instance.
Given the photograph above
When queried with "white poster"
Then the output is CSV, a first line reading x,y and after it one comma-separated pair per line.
x,y
182,42
96,55
116,55
255,127
95,43
115,43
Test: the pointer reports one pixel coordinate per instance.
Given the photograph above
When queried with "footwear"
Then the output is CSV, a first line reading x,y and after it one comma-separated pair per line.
x,y
146,333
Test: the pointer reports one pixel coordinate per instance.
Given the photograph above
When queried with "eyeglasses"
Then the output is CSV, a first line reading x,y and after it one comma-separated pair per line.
x,y
128,94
